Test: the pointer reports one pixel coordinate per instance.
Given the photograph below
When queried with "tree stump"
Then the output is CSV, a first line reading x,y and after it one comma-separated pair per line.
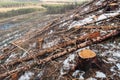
x,y
87,59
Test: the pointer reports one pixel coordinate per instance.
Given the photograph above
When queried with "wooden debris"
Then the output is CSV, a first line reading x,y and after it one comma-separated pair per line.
x,y
97,27
64,52
19,47
93,35
70,39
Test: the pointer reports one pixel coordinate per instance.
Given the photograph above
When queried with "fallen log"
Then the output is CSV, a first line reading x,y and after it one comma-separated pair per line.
x,y
84,44
77,28
98,27
64,52
42,32
55,23
85,26
58,46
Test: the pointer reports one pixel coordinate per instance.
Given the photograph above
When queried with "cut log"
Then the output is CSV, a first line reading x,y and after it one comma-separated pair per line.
x,y
93,35
98,27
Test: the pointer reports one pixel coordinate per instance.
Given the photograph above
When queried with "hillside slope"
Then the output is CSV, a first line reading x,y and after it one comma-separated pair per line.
x,y
52,52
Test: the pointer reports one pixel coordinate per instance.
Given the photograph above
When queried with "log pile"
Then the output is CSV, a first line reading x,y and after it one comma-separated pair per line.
x,y
91,23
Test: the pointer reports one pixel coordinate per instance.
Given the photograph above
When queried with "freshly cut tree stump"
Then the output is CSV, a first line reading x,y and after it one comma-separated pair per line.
x,y
87,59
87,54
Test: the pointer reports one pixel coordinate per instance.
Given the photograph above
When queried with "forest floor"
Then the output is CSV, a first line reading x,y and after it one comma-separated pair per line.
x,y
47,47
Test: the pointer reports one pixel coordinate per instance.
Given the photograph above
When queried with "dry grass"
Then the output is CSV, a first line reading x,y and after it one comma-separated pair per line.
x,y
67,0
16,8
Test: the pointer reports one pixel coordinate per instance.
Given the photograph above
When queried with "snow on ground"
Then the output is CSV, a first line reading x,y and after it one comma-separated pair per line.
x,y
110,50
50,44
68,64
86,9
13,36
26,76
100,75
40,73
12,56
92,18
81,22
91,78
50,32
78,74
98,3
24,55
116,54
112,69
118,66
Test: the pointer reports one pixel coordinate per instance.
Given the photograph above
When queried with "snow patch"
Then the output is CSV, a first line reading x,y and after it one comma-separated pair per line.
x,y
62,25
23,55
92,18
40,74
100,75
107,15
69,59
99,3
91,78
86,9
50,44
51,31
101,17
71,16
68,64
116,54
26,76
74,23
111,60
11,57
89,19
82,22
33,45
78,74
113,69
118,66
75,74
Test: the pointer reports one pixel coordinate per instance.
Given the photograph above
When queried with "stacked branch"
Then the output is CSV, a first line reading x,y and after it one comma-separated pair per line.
x,y
64,52
58,46
64,44
57,21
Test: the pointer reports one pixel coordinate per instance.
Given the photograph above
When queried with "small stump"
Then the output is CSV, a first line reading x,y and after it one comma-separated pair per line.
x,y
87,59
87,54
